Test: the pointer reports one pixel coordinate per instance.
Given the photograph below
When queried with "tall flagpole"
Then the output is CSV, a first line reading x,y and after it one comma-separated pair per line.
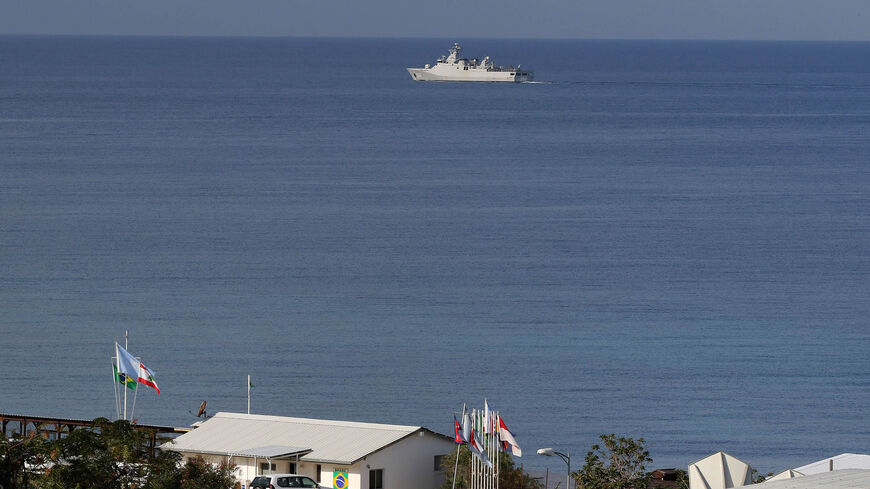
x,y
126,347
117,393
461,432
500,446
249,393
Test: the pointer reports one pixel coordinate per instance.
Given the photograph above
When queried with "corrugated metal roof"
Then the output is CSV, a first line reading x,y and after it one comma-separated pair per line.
x,y
837,479
841,461
340,442
272,451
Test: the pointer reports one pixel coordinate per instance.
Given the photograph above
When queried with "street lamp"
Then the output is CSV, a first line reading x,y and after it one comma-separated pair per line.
x,y
566,457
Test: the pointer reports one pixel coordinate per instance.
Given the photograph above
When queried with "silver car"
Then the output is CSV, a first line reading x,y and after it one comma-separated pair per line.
x,y
280,481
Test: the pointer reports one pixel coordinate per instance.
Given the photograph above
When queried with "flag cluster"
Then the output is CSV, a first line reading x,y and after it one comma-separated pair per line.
x,y
477,428
130,371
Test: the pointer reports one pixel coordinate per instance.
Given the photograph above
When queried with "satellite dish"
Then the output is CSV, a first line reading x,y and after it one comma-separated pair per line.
x,y
201,412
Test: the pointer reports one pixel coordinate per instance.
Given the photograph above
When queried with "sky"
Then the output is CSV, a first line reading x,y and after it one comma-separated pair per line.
x,y
835,20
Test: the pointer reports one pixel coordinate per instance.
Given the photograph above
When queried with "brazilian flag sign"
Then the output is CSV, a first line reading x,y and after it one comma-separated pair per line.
x,y
122,378
339,480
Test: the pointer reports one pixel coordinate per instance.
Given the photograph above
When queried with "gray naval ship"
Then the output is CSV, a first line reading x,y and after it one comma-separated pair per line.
x,y
455,68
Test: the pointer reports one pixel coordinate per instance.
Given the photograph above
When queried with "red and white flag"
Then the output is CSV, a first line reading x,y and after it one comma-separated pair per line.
x,y
146,377
507,436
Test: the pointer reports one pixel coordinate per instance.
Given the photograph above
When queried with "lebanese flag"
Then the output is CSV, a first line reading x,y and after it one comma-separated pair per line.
x,y
457,431
147,378
507,436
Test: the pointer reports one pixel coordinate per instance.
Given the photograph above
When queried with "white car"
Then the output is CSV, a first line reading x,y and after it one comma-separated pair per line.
x,y
279,481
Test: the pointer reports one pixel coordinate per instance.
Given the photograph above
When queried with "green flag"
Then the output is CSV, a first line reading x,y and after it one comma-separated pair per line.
x,y
122,378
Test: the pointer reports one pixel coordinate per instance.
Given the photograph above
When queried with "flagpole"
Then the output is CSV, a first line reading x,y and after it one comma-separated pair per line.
x,y
126,347
136,393
249,393
456,460
500,445
117,394
456,464
474,460
487,421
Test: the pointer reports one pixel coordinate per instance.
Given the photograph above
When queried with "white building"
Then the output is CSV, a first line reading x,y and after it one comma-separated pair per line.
x,y
373,456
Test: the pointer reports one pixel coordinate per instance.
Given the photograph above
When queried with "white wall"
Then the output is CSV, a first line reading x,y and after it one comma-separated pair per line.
x,y
409,464
247,467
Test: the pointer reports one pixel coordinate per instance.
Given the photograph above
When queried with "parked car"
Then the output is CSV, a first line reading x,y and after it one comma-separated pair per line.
x,y
279,481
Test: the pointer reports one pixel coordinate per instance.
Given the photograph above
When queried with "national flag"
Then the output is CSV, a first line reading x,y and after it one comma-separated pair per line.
x,y
147,377
122,378
508,437
127,364
478,450
457,431
466,425
487,423
132,368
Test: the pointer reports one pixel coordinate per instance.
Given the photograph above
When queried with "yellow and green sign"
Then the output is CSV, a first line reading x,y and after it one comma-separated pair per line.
x,y
339,480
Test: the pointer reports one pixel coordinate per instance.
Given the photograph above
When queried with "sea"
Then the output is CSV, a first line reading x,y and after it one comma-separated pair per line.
x,y
667,240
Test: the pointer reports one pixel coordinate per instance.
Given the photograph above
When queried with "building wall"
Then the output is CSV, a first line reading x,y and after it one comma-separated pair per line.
x,y
409,464
247,467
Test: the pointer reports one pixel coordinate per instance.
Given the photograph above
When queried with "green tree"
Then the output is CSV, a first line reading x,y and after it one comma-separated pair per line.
x,y
509,477
682,479
758,477
15,454
113,455
616,463
199,474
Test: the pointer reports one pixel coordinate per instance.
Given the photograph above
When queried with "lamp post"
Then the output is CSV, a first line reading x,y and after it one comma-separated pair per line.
x,y
566,457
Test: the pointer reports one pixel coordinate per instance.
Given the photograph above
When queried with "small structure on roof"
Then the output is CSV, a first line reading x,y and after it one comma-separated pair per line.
x,y
371,455
719,471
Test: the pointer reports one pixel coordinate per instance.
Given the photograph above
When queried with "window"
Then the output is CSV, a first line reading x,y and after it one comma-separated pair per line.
x,y
284,482
266,467
376,479
306,482
261,481
439,461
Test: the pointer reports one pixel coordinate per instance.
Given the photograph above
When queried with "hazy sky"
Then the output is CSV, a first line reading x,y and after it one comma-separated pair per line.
x,y
604,19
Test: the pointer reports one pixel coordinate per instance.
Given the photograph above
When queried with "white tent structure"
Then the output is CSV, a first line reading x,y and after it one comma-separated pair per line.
x,y
838,462
785,474
837,479
719,471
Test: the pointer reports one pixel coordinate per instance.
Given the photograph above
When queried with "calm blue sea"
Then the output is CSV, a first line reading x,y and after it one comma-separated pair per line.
x,y
668,240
